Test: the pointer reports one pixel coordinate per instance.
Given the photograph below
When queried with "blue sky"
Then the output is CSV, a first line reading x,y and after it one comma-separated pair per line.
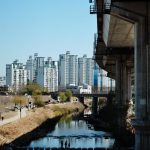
x,y
47,27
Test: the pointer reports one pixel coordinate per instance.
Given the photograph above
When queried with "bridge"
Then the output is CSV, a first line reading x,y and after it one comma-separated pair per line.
x,y
122,48
95,95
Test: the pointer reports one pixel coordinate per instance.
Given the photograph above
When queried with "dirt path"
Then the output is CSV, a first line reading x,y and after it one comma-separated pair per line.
x,y
14,118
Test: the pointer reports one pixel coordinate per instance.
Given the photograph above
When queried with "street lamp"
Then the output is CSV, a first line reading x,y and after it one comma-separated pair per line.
x,y
21,107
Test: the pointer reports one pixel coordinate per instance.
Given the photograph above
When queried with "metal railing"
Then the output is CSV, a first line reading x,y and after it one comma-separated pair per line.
x,y
93,9
107,8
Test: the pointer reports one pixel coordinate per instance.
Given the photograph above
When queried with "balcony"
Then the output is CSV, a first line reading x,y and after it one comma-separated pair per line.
x,y
105,10
93,9
91,1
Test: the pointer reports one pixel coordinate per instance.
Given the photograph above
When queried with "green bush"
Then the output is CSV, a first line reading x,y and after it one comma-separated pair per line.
x,y
32,89
63,97
68,94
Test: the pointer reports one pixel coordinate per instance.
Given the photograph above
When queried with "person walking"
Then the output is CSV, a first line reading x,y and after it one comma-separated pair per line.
x,y
62,144
2,118
66,144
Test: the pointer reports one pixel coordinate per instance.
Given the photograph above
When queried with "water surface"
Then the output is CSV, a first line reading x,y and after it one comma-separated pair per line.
x,y
74,133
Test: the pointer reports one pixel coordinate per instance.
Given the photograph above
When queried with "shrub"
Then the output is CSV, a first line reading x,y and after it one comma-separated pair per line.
x,y
68,94
31,89
38,101
62,96
19,100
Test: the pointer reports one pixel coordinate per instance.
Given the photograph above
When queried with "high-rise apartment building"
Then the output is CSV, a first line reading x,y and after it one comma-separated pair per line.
x,y
47,74
31,66
85,70
89,71
68,70
96,85
54,76
82,69
101,81
16,75
73,70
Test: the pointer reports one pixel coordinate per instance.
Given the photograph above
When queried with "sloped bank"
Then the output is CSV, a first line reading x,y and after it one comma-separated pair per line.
x,y
124,137
35,124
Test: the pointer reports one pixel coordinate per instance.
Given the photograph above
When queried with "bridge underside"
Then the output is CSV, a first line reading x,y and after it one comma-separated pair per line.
x,y
122,46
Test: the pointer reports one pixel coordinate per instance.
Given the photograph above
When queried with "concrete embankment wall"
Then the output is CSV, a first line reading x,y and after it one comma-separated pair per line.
x,y
27,127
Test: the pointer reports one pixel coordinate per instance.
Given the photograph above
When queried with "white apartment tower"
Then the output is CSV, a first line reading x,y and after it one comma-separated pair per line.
x,y
85,70
16,75
89,71
54,76
73,70
47,74
31,66
40,72
68,70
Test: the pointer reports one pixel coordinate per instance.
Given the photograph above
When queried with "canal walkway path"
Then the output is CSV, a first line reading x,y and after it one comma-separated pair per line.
x,y
15,118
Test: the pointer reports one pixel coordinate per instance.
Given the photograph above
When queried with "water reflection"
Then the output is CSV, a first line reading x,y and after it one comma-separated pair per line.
x,y
74,134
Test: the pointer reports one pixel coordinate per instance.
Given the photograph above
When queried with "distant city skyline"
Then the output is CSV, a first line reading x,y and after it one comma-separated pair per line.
x,y
48,28
69,71
49,74
26,59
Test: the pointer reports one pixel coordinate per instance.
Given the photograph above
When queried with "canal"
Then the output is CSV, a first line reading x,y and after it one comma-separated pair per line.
x,y
73,132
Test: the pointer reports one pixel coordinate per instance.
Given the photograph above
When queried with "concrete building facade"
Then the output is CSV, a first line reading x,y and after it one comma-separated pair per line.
x,y
102,83
16,75
123,42
47,74
85,70
68,70
31,66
